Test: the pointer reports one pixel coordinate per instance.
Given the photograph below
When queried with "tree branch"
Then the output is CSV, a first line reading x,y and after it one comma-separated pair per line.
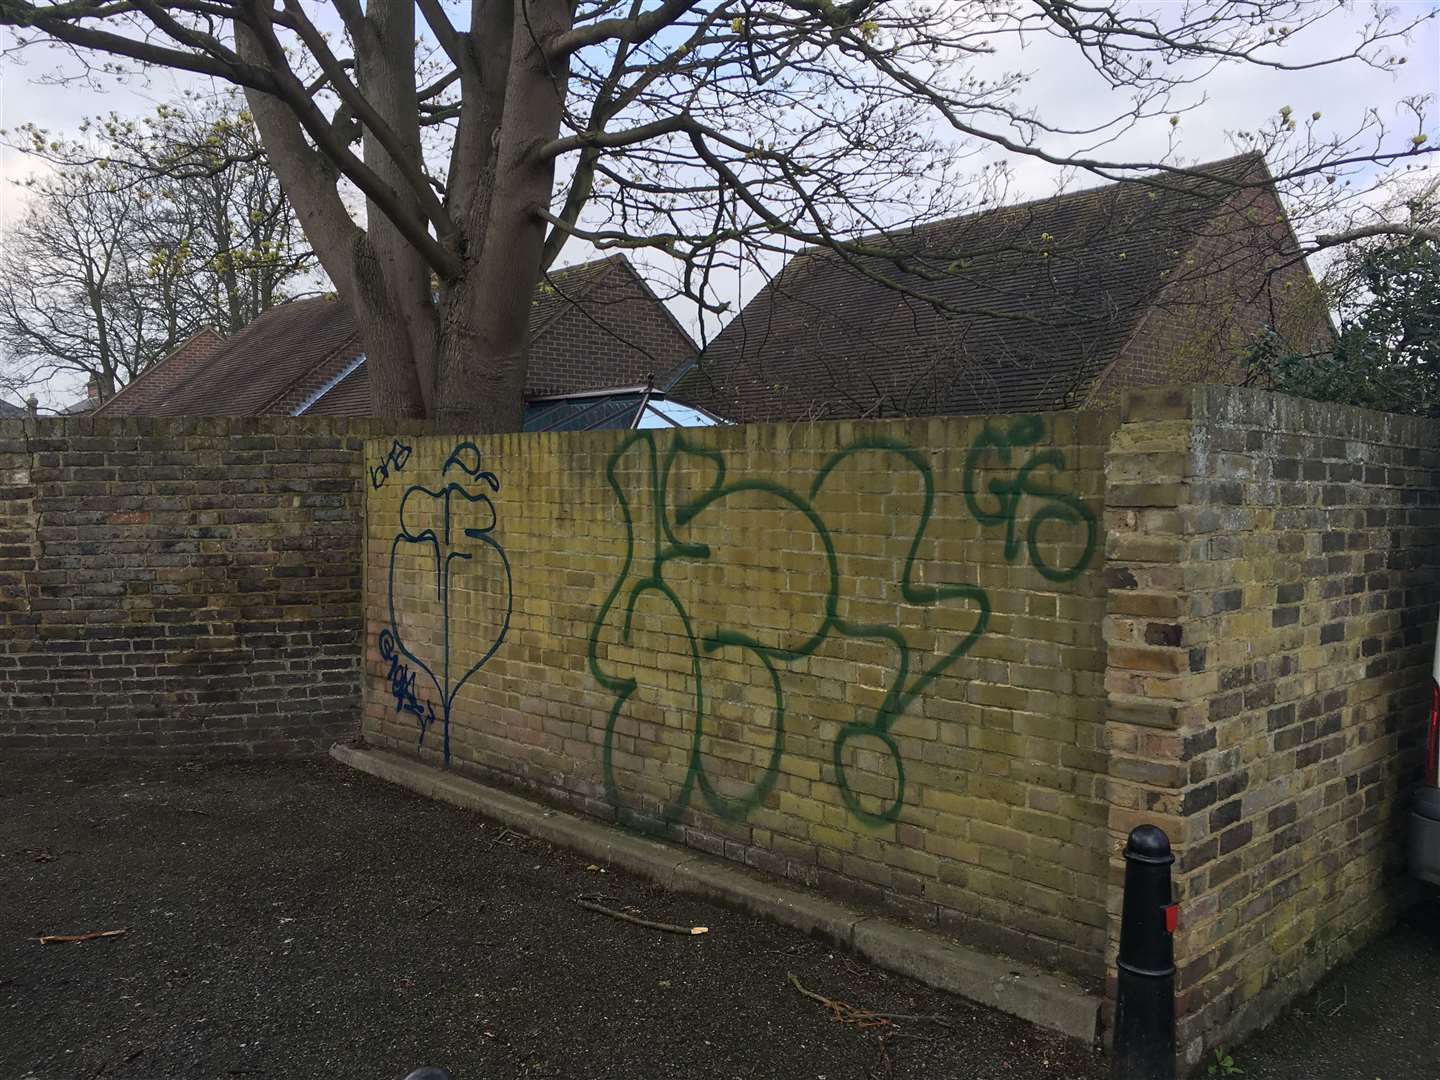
x,y
640,28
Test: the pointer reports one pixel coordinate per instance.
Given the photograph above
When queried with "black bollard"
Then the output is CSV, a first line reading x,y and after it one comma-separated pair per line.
x,y
1145,994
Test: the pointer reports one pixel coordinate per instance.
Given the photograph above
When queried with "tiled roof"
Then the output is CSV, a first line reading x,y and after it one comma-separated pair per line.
x,y
349,397
278,363
258,364
559,289
1033,302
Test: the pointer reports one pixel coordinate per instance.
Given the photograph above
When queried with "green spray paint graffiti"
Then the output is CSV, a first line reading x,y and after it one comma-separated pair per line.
x,y
1059,507
645,577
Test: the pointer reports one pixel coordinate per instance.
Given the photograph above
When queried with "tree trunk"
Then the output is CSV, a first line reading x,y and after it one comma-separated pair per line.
x,y
477,333
486,323
385,55
394,378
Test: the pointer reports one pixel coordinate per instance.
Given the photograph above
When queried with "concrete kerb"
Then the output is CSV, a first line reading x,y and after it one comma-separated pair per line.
x,y
1008,985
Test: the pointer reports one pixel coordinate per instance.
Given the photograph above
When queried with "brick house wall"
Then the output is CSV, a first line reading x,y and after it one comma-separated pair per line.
x,y
622,329
1239,276
179,586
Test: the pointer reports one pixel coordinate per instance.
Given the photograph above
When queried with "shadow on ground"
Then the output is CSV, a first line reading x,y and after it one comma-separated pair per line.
x,y
301,920
1375,1018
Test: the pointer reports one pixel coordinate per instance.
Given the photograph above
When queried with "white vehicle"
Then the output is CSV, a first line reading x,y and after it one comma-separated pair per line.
x,y
1425,811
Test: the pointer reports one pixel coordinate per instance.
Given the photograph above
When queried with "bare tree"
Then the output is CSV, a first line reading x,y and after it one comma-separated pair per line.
x,y
709,130
67,279
144,232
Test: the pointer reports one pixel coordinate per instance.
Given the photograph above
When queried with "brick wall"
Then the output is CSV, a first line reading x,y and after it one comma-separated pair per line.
x,y
1274,567
942,666
753,641
179,585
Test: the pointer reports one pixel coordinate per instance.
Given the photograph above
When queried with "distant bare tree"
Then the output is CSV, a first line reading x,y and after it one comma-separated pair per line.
x,y
144,232
67,279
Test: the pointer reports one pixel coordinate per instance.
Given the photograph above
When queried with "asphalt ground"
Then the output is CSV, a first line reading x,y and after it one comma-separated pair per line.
x,y
1375,1018
303,920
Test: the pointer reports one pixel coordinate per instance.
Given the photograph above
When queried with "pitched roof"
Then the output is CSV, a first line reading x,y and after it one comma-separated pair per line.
x,y
300,357
560,289
11,412
251,368
1006,310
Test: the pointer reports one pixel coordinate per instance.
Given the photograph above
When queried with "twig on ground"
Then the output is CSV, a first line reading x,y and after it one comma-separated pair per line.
x,y
669,928
1345,999
883,1060
503,834
846,1013
58,939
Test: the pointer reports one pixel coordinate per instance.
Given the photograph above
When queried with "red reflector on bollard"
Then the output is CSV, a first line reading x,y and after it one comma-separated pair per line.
x,y
1172,917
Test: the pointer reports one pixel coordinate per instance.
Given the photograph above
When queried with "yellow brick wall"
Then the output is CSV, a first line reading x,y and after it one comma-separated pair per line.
x,y
805,648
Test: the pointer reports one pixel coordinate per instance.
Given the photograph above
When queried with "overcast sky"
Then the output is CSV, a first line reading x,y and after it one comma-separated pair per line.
x,y
1062,88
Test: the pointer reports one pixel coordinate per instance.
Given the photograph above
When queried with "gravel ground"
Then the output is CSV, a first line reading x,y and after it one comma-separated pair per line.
x,y
302,920
1376,1018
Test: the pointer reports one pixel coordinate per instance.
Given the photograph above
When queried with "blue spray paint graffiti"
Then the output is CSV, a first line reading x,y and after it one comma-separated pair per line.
x,y
460,537
402,685
397,457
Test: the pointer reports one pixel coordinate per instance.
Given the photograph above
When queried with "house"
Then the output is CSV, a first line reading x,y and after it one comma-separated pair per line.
x,y
12,412
594,327
1053,304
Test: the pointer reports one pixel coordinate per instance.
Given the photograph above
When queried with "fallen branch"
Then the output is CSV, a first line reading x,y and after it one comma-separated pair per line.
x,y
669,928
60,939
845,1013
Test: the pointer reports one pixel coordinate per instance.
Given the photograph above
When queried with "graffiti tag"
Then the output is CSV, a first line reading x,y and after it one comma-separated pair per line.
x,y
449,531
642,577
402,685
397,457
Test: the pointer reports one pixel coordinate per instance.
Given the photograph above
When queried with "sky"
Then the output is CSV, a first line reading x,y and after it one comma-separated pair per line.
x,y
1062,88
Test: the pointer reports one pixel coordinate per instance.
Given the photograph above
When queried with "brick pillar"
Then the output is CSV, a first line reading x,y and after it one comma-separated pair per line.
x,y
1155,680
